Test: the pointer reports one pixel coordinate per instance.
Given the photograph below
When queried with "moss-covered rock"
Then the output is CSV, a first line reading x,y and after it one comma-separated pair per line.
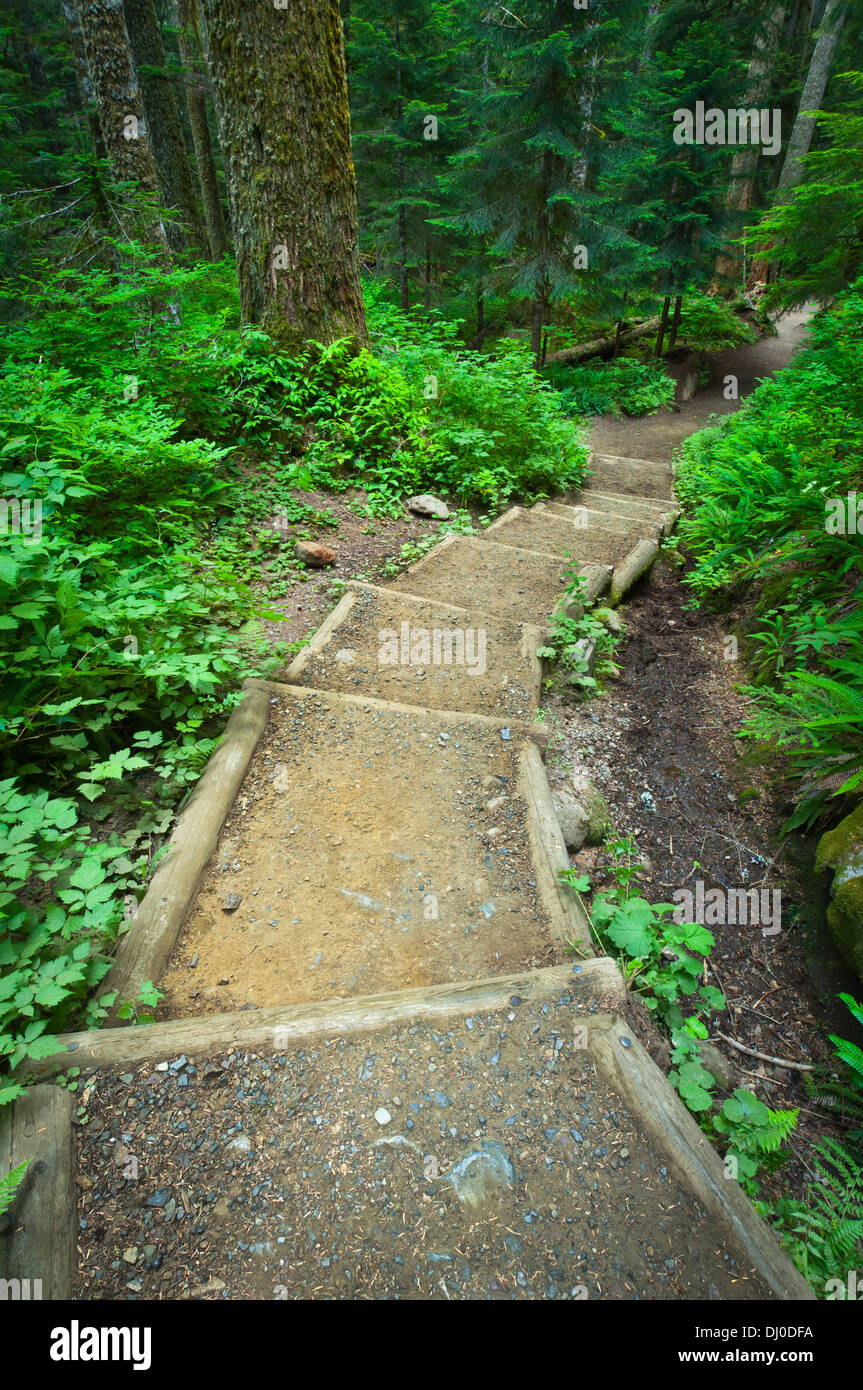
x,y
842,850
596,807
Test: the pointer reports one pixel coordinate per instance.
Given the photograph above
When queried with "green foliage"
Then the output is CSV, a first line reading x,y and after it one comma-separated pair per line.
x,y
709,324
814,235
9,1185
823,1233
664,961
624,386
497,429
755,490
565,631
754,1135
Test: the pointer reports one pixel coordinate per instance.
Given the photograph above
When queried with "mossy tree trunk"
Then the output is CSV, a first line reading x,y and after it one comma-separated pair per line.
x,y
196,102
280,92
812,96
744,165
116,92
163,123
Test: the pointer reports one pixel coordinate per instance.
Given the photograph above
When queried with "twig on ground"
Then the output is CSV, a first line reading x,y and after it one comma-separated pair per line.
x,y
765,1056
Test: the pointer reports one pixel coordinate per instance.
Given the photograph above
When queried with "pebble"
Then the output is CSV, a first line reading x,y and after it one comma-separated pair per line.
x,y
383,1116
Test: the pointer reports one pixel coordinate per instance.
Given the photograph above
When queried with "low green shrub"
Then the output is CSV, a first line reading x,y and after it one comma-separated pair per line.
x,y
624,386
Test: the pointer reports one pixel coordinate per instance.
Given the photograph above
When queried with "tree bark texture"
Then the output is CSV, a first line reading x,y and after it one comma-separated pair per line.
x,y
163,122
196,103
812,96
745,161
116,92
278,78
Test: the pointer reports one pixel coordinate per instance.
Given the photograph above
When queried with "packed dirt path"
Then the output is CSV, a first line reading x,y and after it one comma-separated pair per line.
x,y
657,436
421,1095
376,844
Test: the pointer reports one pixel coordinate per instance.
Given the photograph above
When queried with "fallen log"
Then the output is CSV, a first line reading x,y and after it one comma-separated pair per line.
x,y
596,347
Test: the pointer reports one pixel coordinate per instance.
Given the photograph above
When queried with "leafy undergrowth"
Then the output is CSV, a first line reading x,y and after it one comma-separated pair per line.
x,y
663,961
771,514
625,386
151,448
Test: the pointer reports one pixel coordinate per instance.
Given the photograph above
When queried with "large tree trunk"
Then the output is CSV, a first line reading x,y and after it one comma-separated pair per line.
x,y
163,122
196,102
812,95
116,92
745,161
282,104
102,218
402,217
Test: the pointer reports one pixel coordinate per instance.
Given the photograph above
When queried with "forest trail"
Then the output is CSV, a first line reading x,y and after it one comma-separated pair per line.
x,y
657,436
414,1097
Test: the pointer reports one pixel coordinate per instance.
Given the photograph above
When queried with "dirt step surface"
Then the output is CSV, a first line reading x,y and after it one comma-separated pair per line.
x,y
482,1158
370,850
559,535
613,505
413,651
479,573
631,477
589,518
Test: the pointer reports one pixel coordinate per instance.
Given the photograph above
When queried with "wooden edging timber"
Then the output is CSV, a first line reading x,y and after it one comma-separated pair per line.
x,y
284,1026
549,854
632,567
322,635
37,1254
144,950
647,1093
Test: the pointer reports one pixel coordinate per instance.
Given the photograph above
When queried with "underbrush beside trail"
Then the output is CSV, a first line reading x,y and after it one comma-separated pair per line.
x,y
770,500
149,443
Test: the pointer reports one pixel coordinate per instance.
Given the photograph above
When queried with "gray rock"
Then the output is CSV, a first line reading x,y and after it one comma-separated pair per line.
x,y
426,505
581,655
482,1174
232,902
573,819
596,806
718,1065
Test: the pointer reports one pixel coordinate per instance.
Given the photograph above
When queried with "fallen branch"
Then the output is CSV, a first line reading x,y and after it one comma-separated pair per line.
x,y
765,1057
596,347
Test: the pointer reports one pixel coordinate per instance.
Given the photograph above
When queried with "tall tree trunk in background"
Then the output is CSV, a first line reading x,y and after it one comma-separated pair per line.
x,y
675,322
116,93
163,122
82,78
541,287
812,95
402,216
282,103
102,216
196,101
480,316
663,324
745,161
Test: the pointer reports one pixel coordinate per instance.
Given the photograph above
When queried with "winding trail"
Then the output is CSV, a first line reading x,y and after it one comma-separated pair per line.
x,y
657,436
381,1074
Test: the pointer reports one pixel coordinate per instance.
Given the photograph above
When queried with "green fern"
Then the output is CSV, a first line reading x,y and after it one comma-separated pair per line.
x,y
838,1087
824,1233
9,1186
